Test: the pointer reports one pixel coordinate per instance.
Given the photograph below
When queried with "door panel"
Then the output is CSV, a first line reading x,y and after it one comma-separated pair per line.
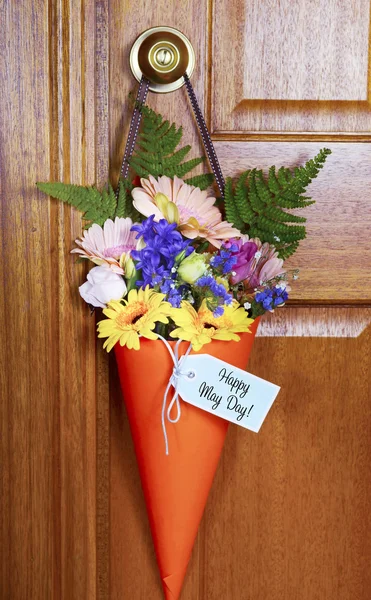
x,y
291,67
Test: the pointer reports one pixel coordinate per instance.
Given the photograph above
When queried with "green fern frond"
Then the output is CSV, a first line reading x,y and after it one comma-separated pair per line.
x,y
156,148
246,213
184,168
231,210
281,216
122,200
96,206
125,207
139,170
288,250
178,156
203,181
259,206
145,164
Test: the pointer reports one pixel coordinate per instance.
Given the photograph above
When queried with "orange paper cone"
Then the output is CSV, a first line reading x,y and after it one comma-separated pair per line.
x,y
176,486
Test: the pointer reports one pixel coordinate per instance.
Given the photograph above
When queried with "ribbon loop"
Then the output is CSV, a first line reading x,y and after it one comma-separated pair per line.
x,y
173,383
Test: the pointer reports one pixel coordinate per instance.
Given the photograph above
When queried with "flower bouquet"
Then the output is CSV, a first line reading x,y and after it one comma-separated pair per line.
x,y
178,271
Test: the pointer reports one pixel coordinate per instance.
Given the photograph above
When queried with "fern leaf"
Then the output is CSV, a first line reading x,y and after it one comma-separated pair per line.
x,y
256,203
230,207
263,203
288,250
273,183
177,157
96,206
185,167
145,162
281,216
139,170
201,181
110,199
245,211
156,150
121,201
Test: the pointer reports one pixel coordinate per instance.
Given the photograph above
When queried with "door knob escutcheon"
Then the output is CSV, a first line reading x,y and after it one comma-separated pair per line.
x,y
162,55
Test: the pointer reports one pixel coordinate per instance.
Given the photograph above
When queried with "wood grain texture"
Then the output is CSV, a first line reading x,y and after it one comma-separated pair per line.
x,y
294,67
101,88
341,217
47,355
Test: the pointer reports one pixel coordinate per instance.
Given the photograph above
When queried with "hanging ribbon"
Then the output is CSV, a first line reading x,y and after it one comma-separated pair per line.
x,y
208,144
134,128
205,135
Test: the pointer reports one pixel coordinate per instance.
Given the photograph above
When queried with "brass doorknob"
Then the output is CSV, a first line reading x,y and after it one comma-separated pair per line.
x,y
162,55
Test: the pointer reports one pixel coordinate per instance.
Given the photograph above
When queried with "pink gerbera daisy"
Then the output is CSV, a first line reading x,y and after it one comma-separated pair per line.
x,y
192,209
107,245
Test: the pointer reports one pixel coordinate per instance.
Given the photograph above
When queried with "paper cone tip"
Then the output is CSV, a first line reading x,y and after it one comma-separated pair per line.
x,y
173,585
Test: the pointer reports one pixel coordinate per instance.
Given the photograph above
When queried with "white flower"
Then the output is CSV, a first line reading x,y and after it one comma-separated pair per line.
x,y
102,285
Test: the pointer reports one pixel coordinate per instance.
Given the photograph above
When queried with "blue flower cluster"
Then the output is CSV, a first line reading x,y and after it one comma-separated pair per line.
x,y
156,260
176,295
225,260
272,297
215,293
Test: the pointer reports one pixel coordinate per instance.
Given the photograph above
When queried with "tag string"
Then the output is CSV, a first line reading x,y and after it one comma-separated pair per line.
x,y
173,382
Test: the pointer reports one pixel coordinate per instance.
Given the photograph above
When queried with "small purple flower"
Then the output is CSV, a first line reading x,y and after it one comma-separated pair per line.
x,y
144,229
218,312
225,259
215,293
167,285
271,297
175,298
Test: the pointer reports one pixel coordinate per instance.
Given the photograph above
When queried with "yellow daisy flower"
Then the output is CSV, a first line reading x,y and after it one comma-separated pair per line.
x,y
202,327
137,316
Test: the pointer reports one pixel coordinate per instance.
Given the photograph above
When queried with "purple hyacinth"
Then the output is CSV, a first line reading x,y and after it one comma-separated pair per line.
x,y
157,259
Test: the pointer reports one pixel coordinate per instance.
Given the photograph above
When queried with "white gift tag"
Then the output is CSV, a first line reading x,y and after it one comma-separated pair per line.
x,y
226,391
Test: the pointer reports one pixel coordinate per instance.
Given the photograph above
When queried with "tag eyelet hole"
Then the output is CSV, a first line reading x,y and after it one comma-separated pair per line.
x,y
191,374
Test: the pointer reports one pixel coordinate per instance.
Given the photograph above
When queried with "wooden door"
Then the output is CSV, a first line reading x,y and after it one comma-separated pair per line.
x,y
288,515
